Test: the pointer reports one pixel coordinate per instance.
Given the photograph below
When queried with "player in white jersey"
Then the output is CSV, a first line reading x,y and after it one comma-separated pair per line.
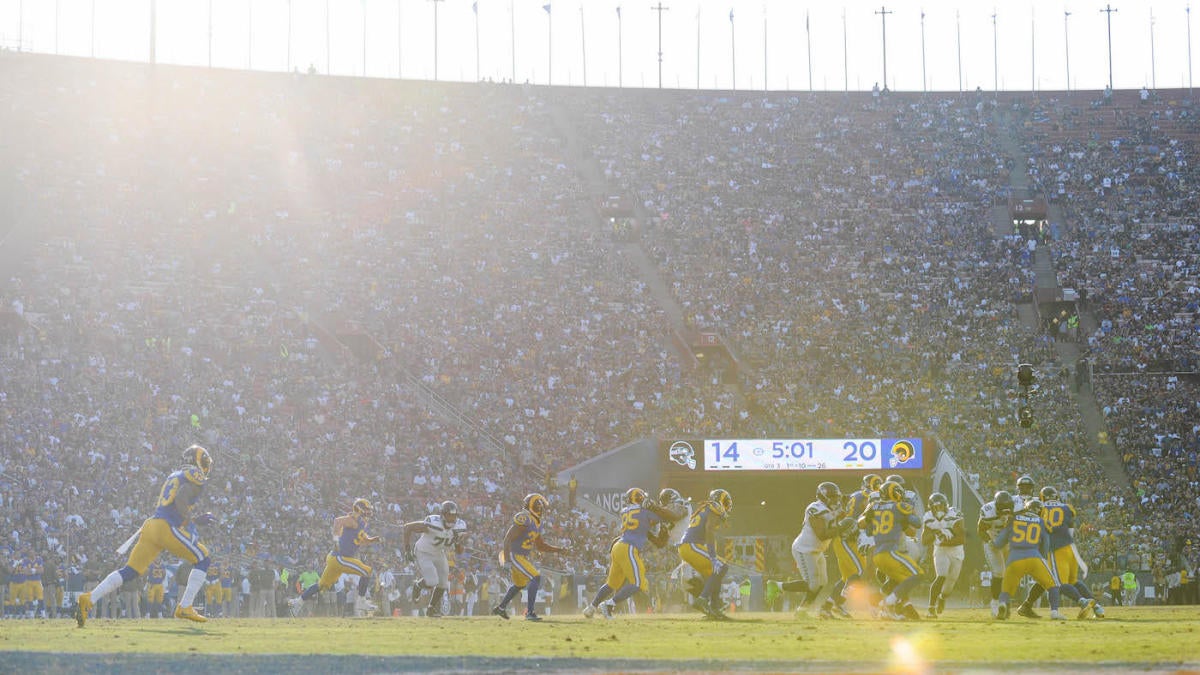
x,y
823,521
441,533
1026,490
994,517
942,527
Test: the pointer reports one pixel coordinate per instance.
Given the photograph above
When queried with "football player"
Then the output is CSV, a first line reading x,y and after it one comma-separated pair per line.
x,y
1026,539
171,528
1065,562
1025,492
698,549
824,521
212,588
441,533
993,517
523,536
942,527
626,568
889,521
154,589
851,546
350,532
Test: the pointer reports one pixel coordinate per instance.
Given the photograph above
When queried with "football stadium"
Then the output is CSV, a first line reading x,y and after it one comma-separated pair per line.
x,y
379,337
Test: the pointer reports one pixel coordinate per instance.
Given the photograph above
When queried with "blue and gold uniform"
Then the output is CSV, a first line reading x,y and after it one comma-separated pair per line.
x,y
694,546
627,569
1027,541
171,528
212,589
351,533
887,522
523,536
1059,517
155,579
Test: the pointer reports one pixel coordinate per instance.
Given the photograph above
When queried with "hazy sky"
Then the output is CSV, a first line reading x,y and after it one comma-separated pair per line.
x,y
1031,43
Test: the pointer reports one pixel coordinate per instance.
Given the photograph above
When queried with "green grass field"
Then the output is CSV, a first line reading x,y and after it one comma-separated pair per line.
x,y
1129,638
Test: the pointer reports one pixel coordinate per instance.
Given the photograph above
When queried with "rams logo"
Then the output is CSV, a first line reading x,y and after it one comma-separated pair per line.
x,y
681,453
902,452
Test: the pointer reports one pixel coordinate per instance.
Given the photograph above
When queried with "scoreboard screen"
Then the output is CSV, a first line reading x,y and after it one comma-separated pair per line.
x,y
799,454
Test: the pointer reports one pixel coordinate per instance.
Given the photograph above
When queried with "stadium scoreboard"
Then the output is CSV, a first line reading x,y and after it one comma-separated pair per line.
x,y
798,454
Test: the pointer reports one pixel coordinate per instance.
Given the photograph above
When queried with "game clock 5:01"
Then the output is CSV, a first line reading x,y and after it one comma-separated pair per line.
x,y
815,454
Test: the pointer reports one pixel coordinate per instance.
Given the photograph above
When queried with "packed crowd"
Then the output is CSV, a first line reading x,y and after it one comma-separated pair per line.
x,y
1123,169
284,268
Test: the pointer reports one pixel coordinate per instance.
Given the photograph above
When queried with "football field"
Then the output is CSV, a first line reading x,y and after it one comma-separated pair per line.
x,y
1151,639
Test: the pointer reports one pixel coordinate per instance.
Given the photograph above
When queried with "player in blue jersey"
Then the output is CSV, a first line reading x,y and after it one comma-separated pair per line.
x,y
523,536
1066,564
171,528
698,549
850,545
626,568
350,531
1027,542
155,579
888,521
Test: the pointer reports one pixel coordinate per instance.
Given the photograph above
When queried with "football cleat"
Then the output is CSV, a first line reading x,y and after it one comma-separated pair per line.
x,y
589,611
941,603
532,616
1027,612
190,614
1057,615
364,606
1002,612
1098,611
825,613
1086,605
500,612
932,613
82,607
840,611
607,610
433,612
909,612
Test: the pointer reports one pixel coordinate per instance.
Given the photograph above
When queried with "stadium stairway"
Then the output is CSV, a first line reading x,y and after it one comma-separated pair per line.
x,y
1067,352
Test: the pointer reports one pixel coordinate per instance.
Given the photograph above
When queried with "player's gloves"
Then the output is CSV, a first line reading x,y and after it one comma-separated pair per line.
x,y
206,518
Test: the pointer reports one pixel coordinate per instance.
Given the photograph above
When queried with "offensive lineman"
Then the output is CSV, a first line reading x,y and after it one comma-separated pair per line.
x,y
824,521
942,528
440,533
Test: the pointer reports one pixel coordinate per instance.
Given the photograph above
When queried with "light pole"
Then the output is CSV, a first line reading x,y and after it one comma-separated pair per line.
x,y
924,79
883,12
435,39
1109,11
1153,77
660,9
1067,46
995,55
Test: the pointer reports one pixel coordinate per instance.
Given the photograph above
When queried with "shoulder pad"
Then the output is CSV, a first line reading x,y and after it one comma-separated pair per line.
x,y
194,475
904,508
928,517
434,520
460,525
521,518
988,510
817,508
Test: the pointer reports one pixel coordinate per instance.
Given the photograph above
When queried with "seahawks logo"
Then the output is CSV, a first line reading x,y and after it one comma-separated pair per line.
x,y
681,453
902,452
